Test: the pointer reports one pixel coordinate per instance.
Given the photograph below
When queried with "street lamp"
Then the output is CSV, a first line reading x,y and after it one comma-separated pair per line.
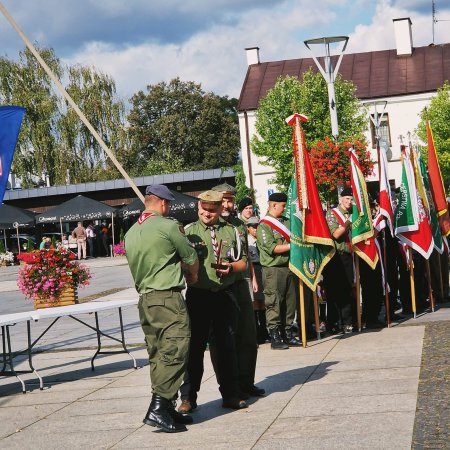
x,y
329,73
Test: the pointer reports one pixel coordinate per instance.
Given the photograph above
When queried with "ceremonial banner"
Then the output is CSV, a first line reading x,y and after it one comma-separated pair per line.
x,y
385,191
10,122
411,220
422,178
362,236
311,243
437,185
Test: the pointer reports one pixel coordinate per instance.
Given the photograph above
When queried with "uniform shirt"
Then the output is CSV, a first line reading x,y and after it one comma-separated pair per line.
x,y
333,225
267,239
154,251
199,235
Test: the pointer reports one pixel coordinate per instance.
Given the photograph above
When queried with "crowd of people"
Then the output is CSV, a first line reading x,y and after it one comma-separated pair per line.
x,y
224,282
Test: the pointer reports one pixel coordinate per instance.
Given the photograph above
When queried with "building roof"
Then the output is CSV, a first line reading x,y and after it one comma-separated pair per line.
x,y
375,74
170,178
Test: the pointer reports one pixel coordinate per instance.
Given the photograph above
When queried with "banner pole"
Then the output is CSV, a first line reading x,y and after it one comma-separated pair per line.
x,y
71,102
358,292
411,280
386,290
302,313
430,289
316,314
441,282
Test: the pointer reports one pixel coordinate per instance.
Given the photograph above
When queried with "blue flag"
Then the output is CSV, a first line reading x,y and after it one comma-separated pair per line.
x,y
10,122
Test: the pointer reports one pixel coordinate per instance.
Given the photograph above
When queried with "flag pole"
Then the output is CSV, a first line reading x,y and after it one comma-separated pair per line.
x,y
69,100
358,292
430,289
316,314
441,282
302,313
386,290
411,280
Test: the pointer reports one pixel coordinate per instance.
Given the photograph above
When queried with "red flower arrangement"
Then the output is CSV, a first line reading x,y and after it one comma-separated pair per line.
x,y
49,271
331,164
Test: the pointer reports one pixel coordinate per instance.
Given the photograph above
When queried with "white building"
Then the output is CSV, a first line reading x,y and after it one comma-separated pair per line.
x,y
405,77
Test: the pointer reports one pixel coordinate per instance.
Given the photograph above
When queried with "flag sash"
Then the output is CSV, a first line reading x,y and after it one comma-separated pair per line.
x,y
276,225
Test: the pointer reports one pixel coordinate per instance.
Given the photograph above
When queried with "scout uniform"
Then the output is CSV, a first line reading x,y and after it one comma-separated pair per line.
x,y
211,307
246,338
279,282
155,248
338,273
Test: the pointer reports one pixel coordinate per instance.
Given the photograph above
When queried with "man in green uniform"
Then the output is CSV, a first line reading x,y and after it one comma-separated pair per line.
x,y
338,273
279,282
246,338
158,254
210,302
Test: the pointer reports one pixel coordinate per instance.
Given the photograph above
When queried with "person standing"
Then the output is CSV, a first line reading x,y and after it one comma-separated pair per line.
x,y
158,253
279,282
90,235
211,302
257,285
338,273
246,340
79,233
245,209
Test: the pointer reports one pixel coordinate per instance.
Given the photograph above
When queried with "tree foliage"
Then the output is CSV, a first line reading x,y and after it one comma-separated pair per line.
x,y
273,141
439,114
52,138
177,126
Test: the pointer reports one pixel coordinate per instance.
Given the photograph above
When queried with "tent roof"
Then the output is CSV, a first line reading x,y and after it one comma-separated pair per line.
x,y
183,208
78,208
11,214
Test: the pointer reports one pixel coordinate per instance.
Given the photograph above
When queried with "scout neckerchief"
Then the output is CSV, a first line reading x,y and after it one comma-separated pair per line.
x,y
276,225
342,219
144,216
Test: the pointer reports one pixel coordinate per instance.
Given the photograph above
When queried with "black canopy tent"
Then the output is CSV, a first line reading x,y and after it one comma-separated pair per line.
x,y
183,208
78,209
12,217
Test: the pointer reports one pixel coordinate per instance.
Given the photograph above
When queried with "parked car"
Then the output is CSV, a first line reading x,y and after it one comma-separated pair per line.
x,y
24,241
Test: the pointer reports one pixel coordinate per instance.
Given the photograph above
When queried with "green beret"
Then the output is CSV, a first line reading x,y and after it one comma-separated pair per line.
x,y
211,197
225,188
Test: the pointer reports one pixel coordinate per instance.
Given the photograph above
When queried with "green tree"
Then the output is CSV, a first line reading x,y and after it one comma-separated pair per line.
x,y
273,141
177,126
439,115
52,138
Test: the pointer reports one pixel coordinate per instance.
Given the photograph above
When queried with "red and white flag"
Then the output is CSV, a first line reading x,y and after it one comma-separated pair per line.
x,y
385,191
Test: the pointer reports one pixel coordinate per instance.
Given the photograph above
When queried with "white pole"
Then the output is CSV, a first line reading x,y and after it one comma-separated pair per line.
x,y
70,101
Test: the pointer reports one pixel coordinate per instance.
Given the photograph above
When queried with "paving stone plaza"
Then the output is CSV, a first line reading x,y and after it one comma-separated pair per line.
x,y
384,389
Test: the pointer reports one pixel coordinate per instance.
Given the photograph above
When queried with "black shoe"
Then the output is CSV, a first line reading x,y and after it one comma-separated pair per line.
x,y
234,403
291,340
160,414
181,418
276,340
255,391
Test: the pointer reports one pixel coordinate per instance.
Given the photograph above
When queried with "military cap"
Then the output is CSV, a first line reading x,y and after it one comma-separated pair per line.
x,y
346,192
252,221
160,191
225,188
211,197
247,201
278,197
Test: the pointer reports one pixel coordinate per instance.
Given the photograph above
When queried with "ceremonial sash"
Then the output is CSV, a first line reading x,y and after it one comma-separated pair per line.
x,y
144,216
276,225
341,219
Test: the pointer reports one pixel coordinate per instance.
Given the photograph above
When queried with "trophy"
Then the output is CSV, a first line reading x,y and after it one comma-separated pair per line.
x,y
218,264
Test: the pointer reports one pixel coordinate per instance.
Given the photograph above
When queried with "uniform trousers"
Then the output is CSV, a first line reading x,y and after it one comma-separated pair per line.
x,y
372,291
279,296
245,337
211,313
337,281
165,322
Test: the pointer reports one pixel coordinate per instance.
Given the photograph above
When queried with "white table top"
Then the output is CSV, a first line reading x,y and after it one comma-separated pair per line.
x,y
70,310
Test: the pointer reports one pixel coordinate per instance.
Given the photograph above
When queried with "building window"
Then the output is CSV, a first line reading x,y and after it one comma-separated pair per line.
x,y
385,132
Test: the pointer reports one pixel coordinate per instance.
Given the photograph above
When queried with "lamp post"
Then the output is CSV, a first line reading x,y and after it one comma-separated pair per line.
x,y
328,72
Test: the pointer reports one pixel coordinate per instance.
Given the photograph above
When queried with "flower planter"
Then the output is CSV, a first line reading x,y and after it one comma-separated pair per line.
x,y
69,296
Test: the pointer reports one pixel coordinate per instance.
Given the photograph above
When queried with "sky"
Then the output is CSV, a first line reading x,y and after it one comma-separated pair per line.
x,y
143,42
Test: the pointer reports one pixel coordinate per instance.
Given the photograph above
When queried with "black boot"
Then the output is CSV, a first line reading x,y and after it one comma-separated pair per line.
x,y
159,415
277,340
291,339
180,418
